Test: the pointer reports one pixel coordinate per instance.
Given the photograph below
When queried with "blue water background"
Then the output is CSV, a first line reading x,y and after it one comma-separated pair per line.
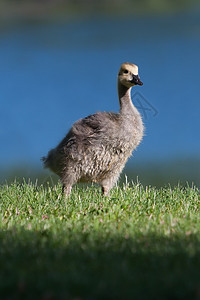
x,y
52,74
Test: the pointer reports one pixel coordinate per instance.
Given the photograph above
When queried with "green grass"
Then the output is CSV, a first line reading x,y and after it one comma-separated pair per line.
x,y
139,243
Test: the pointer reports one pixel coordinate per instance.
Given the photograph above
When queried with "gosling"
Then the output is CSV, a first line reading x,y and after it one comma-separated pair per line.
x,y
97,147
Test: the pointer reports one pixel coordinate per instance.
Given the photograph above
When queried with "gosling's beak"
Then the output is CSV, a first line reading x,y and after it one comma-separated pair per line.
x,y
136,80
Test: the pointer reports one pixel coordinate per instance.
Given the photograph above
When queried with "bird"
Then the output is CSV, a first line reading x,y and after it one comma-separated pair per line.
x,y
97,147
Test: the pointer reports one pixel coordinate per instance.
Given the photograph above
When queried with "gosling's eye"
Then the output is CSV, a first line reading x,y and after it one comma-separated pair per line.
x,y
125,71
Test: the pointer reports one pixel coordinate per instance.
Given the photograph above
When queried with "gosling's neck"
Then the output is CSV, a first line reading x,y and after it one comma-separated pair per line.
x,y
126,105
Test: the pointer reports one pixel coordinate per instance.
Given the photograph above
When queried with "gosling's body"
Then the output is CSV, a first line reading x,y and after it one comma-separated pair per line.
x,y
97,147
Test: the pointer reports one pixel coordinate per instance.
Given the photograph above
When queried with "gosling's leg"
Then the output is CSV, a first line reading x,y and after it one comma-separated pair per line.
x,y
105,190
68,180
66,189
107,184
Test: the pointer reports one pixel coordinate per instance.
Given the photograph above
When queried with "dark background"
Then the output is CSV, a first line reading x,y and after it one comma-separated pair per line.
x,y
59,62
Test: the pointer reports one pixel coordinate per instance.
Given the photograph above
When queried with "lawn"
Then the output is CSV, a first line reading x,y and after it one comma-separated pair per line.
x,y
138,243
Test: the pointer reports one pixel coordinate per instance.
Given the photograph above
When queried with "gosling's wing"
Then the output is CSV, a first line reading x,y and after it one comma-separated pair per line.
x,y
97,126
94,130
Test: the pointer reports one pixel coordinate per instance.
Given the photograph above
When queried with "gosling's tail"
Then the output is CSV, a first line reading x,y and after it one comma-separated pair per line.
x,y
44,160
48,161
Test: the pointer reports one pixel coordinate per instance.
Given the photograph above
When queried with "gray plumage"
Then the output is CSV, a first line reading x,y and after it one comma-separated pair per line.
x,y
97,147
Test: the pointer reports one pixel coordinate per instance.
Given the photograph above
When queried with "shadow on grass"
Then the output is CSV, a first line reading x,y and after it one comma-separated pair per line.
x,y
43,265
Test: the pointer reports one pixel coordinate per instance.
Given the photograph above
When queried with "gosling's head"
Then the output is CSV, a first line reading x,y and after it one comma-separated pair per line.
x,y
128,75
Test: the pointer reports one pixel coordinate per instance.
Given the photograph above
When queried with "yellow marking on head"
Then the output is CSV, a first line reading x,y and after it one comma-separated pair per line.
x,y
129,67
